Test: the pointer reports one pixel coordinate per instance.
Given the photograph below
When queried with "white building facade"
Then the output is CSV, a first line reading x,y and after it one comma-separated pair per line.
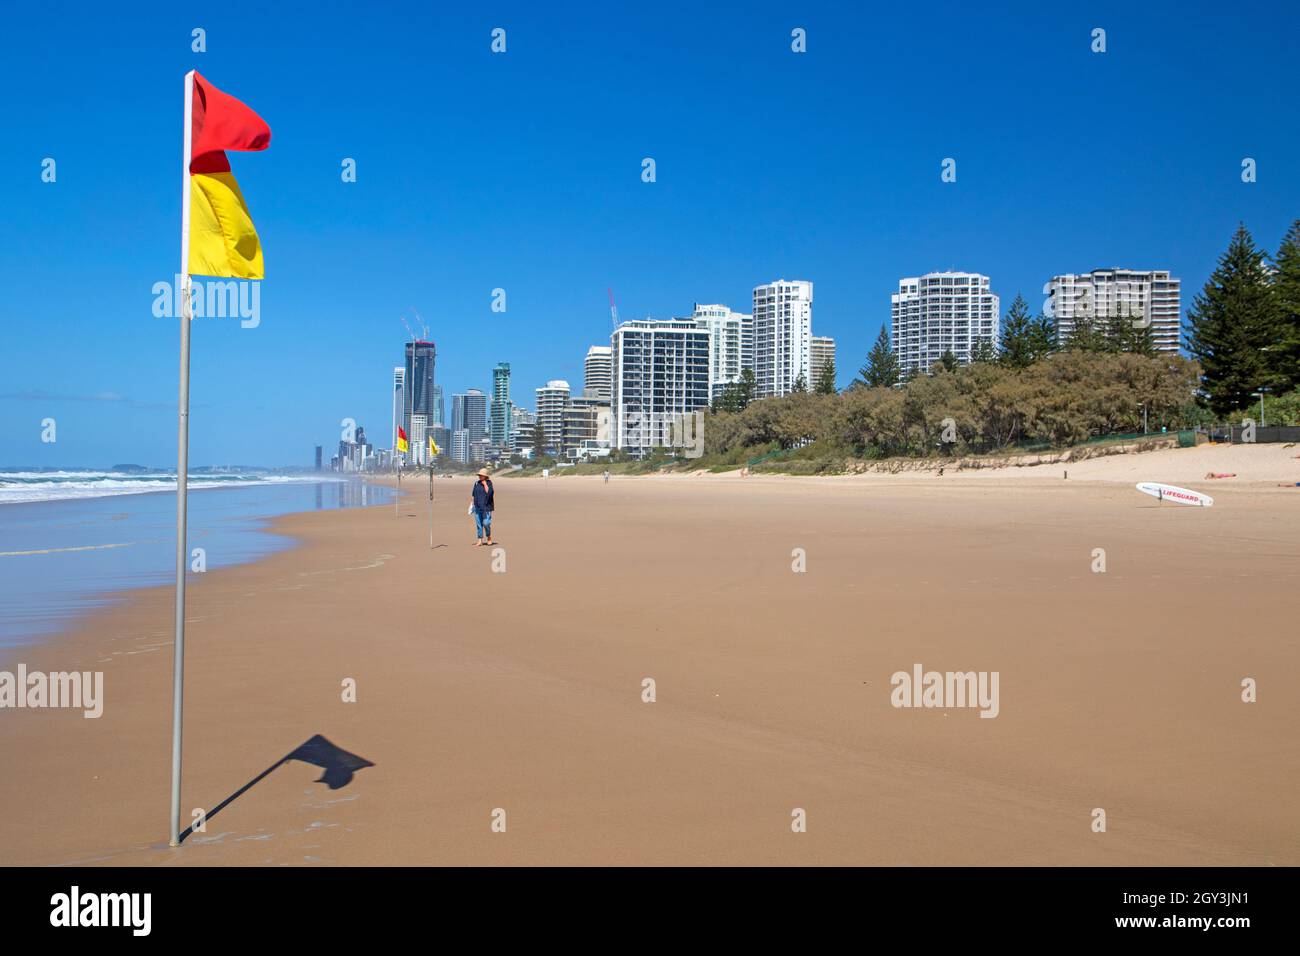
x,y
399,403
942,312
822,348
782,336
598,375
1152,296
661,370
726,343
419,450
551,400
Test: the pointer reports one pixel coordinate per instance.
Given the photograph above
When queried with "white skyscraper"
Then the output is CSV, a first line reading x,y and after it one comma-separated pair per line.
x,y
747,342
597,373
942,312
419,453
551,400
782,334
726,331
1152,296
661,370
399,403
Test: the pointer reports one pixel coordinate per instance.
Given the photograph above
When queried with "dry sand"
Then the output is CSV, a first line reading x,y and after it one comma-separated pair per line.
x,y
522,690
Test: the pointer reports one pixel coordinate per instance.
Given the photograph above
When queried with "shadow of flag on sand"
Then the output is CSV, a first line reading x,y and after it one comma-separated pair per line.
x,y
338,767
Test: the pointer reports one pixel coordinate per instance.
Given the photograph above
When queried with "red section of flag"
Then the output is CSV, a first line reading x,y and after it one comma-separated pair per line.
x,y
221,122
401,433
210,163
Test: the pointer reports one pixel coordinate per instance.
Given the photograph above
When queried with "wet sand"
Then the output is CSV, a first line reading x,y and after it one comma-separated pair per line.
x,y
479,690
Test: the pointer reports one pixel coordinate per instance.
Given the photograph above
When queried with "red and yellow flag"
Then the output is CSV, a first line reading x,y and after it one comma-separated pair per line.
x,y
222,239
402,443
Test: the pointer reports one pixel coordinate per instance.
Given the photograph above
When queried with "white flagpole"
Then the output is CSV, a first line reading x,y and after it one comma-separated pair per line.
x,y
182,471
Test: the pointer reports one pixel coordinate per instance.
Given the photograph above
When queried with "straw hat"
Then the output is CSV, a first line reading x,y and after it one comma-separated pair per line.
x,y
483,472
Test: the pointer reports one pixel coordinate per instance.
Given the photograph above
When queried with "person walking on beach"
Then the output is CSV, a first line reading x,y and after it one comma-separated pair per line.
x,y
606,476
482,506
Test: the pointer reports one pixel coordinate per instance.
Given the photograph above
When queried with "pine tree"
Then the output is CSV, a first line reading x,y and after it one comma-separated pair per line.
x,y
1230,323
1134,336
539,439
1115,333
983,351
826,380
800,383
745,389
1086,337
1285,354
1042,338
882,368
948,361
1017,345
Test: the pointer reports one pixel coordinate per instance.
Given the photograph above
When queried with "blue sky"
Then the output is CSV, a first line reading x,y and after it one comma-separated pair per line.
x,y
522,171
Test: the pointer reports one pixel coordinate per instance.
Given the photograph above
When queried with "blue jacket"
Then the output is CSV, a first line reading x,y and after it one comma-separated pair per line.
x,y
483,497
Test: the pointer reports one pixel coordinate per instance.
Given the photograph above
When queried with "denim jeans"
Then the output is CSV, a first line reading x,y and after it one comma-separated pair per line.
x,y
483,522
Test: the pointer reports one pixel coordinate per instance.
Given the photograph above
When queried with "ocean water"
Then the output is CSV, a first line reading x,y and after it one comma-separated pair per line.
x,y
21,486
74,541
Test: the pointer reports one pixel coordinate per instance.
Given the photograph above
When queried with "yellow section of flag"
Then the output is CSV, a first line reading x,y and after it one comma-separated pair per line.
x,y
433,448
223,241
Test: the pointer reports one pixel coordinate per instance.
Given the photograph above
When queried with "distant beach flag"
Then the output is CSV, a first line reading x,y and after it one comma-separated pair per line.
x,y
434,450
402,443
223,241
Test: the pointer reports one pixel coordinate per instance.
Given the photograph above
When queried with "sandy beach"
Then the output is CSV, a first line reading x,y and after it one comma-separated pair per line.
x,y
519,687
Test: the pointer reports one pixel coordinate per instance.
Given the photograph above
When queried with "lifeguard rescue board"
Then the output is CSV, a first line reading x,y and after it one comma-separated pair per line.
x,y
1183,496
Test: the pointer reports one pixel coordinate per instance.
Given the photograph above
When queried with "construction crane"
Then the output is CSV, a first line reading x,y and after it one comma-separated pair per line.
x,y
613,309
424,328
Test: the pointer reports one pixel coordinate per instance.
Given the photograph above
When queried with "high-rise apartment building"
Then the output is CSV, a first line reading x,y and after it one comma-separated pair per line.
x,y
1144,296
459,445
823,354
469,412
782,334
661,370
597,373
726,343
499,416
419,396
521,437
551,400
419,451
399,404
747,342
468,415
441,435
521,427
586,427
942,312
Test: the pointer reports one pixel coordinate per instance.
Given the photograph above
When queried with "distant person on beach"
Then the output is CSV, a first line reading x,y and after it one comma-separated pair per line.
x,y
482,505
606,476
